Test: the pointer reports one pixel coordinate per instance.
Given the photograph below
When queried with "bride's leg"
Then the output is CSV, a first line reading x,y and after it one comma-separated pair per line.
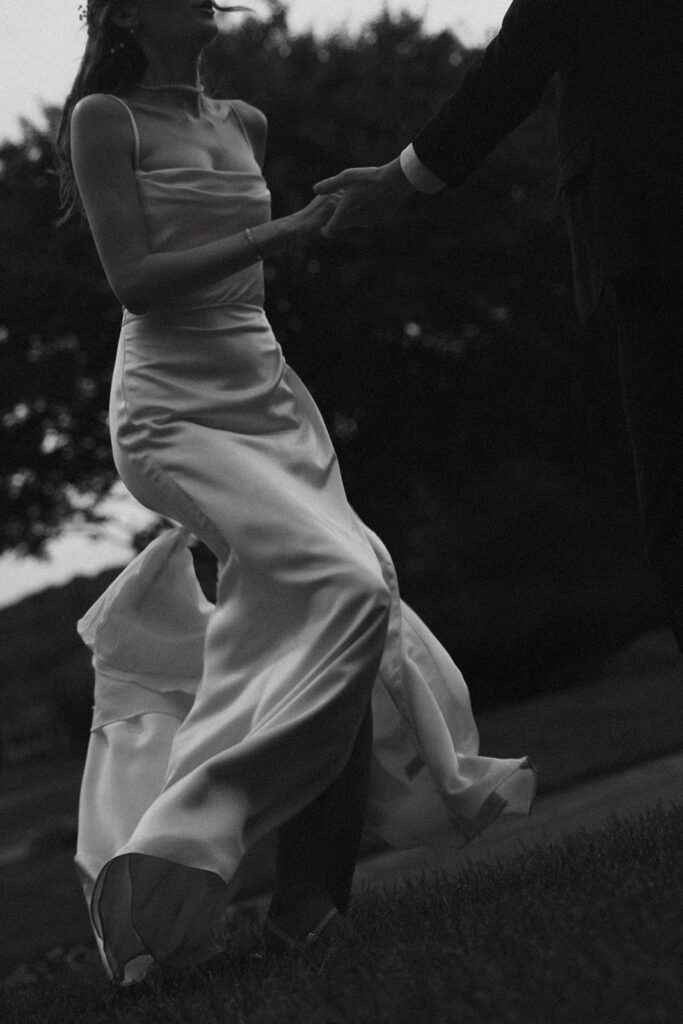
x,y
318,847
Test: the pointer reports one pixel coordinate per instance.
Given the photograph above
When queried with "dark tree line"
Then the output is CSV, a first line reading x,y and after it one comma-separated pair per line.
x,y
477,434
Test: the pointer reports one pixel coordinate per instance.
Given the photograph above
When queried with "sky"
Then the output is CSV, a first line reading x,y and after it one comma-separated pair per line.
x,y
41,42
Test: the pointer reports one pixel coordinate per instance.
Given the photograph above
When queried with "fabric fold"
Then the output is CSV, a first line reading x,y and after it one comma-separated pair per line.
x,y
148,632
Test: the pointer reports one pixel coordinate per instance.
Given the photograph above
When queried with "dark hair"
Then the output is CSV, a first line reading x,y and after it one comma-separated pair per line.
x,y
112,62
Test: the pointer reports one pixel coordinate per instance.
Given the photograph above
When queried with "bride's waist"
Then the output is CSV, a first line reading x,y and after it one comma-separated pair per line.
x,y
239,296
214,315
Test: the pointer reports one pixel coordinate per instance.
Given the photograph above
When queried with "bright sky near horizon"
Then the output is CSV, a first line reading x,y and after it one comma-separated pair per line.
x,y
41,42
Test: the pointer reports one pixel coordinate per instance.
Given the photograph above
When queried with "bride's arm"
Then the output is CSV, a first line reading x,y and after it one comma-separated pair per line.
x,y
102,150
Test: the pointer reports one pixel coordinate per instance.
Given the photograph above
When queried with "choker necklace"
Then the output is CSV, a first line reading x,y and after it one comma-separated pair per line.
x,y
197,89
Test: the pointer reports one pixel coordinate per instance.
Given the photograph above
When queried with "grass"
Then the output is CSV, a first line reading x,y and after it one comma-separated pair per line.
x,y
613,714
584,931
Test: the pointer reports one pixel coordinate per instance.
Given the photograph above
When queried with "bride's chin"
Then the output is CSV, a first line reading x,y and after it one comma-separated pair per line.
x,y
208,28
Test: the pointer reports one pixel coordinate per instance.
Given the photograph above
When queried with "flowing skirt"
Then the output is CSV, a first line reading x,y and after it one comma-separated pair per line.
x,y
214,725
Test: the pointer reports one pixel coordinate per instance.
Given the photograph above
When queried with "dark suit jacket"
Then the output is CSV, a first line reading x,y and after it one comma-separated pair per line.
x,y
619,74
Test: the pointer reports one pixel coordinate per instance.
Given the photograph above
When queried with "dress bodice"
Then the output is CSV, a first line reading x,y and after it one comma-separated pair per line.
x,y
186,207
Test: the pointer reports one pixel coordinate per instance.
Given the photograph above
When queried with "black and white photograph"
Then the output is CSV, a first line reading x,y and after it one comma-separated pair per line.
x,y
341,512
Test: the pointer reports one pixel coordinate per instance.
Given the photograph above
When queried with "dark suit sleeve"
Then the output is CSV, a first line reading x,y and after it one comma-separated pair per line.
x,y
500,91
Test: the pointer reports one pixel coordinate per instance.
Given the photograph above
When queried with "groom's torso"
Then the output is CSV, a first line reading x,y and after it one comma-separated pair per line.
x,y
619,75
619,105
619,71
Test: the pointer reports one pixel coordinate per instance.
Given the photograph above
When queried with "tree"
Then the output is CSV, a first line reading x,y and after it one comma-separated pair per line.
x,y
58,323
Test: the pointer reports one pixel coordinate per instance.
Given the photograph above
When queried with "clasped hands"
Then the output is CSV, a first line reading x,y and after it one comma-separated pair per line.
x,y
360,197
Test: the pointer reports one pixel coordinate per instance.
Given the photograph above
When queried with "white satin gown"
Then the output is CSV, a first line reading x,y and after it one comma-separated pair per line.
x,y
214,725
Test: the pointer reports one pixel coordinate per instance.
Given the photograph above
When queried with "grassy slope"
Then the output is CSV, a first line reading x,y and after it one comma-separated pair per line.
x,y
39,631
585,931
622,712
625,710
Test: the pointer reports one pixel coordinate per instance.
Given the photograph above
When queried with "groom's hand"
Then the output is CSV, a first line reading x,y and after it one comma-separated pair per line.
x,y
371,195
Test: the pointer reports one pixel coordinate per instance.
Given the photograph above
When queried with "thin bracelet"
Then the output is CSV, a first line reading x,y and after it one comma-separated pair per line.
x,y
249,235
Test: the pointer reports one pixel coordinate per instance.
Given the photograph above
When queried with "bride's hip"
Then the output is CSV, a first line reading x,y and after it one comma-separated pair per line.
x,y
210,361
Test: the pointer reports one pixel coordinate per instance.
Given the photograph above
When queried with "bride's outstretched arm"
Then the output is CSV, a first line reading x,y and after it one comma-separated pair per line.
x,y
103,160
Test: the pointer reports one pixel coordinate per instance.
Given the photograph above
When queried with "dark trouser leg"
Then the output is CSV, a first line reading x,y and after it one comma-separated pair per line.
x,y
318,847
345,815
651,362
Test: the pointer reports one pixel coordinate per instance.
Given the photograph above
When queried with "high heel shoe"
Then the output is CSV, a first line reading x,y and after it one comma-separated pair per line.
x,y
316,946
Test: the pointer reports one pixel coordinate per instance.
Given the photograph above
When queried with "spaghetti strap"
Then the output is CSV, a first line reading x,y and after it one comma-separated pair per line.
x,y
240,122
136,133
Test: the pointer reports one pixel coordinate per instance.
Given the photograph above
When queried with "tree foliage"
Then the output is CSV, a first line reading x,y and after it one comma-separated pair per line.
x,y
58,324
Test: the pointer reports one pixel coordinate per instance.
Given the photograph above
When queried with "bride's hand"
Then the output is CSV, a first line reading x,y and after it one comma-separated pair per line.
x,y
278,237
308,222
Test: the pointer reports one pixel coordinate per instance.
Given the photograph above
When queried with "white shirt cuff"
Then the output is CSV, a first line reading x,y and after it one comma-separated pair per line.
x,y
417,174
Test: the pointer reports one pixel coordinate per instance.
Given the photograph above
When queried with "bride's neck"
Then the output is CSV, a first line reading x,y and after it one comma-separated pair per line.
x,y
171,69
175,77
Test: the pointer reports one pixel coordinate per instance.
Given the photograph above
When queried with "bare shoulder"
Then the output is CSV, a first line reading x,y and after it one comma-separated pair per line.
x,y
256,126
100,121
98,111
253,118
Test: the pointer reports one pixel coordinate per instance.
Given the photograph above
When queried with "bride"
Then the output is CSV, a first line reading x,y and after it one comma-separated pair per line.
x,y
216,728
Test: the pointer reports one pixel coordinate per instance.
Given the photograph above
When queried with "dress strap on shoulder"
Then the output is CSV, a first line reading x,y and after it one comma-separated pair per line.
x,y
136,132
238,117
